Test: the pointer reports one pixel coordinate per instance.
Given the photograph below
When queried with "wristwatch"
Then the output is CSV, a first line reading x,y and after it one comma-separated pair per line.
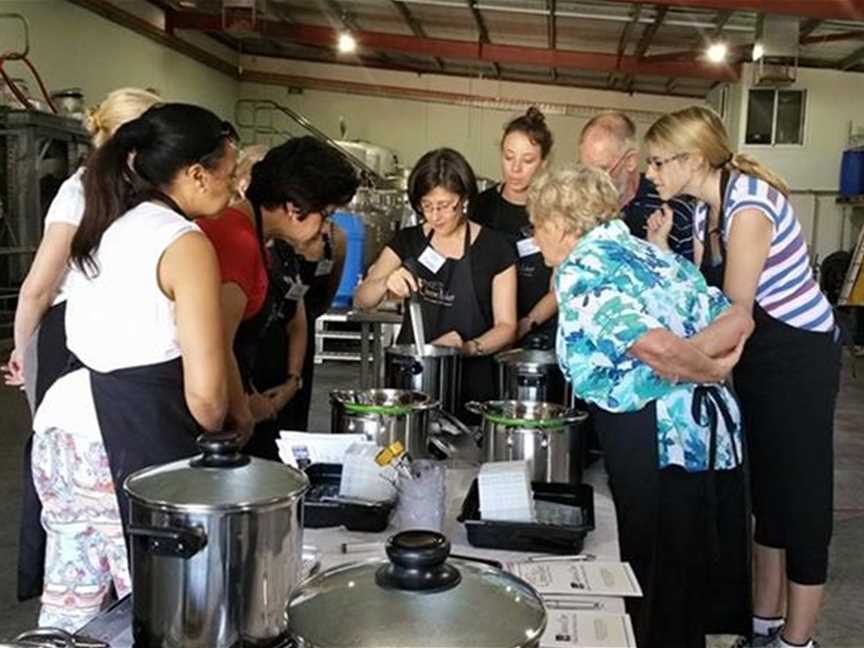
x,y
298,378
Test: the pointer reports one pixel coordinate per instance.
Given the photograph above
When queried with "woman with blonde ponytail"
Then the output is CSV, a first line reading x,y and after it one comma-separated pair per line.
x,y
750,243
39,319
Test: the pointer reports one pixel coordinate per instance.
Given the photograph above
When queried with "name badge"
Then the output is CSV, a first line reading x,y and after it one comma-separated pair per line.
x,y
324,267
431,259
527,247
296,289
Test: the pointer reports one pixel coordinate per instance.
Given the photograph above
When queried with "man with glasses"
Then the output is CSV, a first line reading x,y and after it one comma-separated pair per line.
x,y
608,141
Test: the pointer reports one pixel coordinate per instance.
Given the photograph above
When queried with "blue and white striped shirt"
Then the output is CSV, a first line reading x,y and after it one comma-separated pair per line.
x,y
787,290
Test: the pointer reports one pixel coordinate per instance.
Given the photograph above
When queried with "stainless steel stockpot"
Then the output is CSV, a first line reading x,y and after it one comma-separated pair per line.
x,y
546,435
530,375
416,598
216,545
438,372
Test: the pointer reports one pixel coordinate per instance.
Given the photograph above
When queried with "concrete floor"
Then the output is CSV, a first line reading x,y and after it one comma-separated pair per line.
x,y
842,622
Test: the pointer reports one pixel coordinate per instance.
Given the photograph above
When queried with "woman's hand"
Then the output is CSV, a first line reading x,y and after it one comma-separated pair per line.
x,y
13,371
261,407
659,226
727,362
451,339
524,327
281,395
401,283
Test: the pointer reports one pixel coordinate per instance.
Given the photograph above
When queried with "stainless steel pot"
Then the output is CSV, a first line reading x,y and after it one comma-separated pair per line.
x,y
438,372
216,544
384,416
530,375
416,598
546,435
69,102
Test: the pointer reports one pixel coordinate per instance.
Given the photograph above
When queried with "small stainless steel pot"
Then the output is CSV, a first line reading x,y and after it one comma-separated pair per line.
x,y
546,435
216,546
416,598
530,375
438,372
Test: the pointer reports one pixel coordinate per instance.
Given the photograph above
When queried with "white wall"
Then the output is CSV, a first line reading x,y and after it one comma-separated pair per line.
x,y
71,46
834,99
412,127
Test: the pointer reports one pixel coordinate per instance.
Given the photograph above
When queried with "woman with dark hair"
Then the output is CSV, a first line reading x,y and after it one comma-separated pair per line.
x,y
290,194
525,148
142,319
463,272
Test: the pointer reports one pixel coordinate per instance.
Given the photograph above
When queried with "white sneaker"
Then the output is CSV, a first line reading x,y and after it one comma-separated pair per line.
x,y
759,641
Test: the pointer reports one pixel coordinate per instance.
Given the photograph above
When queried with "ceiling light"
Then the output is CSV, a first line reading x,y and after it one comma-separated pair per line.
x,y
188,4
347,43
717,52
758,51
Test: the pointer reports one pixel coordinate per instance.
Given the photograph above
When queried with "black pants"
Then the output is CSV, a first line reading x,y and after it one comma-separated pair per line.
x,y
787,381
690,587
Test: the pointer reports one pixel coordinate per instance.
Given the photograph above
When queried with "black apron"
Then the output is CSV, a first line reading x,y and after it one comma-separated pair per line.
x,y
316,275
533,277
52,362
449,303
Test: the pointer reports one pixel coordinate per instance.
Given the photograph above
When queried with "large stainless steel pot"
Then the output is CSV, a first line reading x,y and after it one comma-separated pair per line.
x,y
416,598
546,435
438,372
384,416
216,544
530,375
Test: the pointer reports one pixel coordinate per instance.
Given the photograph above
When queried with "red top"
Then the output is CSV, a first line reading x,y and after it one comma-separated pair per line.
x,y
239,252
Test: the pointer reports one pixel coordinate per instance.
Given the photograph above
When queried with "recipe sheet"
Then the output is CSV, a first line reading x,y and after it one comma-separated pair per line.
x,y
566,578
588,630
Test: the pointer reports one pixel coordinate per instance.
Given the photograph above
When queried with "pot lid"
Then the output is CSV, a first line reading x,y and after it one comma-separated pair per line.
x,y
416,599
391,402
221,478
526,414
429,351
528,358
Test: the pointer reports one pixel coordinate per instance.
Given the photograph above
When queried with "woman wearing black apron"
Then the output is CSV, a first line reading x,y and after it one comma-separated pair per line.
x,y
752,245
41,313
290,193
525,147
143,323
321,266
668,426
464,273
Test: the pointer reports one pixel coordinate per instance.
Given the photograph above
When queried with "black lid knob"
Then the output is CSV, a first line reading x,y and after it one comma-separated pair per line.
x,y
220,450
418,561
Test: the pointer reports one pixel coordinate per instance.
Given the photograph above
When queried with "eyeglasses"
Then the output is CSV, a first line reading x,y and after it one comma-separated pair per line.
x,y
659,163
440,208
611,169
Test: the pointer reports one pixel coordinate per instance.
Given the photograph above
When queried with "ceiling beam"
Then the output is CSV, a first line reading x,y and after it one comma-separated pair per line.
x,y
482,31
645,42
853,59
415,27
472,51
832,38
624,40
808,27
822,9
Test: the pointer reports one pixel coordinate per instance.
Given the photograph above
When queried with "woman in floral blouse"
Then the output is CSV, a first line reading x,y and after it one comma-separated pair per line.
x,y
628,341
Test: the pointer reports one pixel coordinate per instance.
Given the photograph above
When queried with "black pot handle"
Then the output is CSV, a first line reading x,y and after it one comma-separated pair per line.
x,y
220,450
406,364
418,562
170,541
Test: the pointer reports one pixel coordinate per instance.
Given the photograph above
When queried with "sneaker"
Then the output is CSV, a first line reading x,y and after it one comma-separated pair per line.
x,y
777,643
759,641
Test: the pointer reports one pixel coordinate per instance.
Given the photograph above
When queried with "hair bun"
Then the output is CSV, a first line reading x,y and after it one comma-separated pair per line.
x,y
91,120
535,115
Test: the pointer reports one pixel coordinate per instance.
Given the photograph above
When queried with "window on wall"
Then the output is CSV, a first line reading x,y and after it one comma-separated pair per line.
x,y
775,117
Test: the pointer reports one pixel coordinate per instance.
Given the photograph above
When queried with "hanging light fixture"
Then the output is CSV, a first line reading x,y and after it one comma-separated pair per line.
x,y
347,43
717,52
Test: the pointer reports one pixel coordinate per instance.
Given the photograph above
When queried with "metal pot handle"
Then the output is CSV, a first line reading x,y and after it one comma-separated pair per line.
x,y
475,407
171,541
573,415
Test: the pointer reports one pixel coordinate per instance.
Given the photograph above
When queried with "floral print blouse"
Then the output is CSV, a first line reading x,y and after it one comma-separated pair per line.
x,y
614,288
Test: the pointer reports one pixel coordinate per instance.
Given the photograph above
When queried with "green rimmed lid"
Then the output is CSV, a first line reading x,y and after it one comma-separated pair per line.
x,y
526,414
385,402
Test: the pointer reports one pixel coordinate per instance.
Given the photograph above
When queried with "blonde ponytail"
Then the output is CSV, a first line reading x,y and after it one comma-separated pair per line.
x,y
699,129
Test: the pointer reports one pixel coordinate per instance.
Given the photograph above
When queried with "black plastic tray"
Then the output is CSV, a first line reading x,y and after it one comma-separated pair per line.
x,y
325,480
532,536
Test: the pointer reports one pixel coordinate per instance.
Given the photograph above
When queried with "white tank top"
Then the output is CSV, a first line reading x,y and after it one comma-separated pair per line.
x,y
121,318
